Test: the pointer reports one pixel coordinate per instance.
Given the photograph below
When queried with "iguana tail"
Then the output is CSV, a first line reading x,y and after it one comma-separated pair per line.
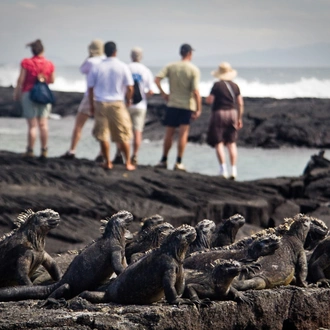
x,y
17,293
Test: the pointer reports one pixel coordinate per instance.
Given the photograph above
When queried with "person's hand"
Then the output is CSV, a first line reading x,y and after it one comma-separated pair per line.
x,y
16,95
128,103
165,96
92,109
196,114
239,124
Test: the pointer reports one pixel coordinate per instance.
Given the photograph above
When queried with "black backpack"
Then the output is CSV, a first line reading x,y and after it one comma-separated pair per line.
x,y
137,97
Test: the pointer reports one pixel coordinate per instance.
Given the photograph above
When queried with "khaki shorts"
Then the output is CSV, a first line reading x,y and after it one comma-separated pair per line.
x,y
138,117
34,110
84,106
112,118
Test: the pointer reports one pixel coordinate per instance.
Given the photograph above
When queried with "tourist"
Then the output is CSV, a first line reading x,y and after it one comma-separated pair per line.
x,y
32,69
143,80
110,83
183,103
226,118
96,55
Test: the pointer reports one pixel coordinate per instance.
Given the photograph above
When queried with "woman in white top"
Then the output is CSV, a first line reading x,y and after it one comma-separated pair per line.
x,y
96,55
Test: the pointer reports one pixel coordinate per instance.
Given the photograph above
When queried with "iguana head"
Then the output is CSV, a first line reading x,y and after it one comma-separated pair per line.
x,y
263,246
117,224
227,231
160,232
177,243
317,232
300,227
225,269
153,220
40,222
205,226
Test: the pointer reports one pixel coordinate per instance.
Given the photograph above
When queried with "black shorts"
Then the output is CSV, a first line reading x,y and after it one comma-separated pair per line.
x,y
175,117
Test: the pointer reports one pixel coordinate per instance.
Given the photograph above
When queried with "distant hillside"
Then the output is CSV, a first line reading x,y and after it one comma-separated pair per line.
x,y
316,55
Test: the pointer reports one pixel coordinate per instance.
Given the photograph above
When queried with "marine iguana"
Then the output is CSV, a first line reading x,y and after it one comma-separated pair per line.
x,y
204,230
225,233
214,283
252,251
22,250
319,264
95,264
287,262
158,273
151,239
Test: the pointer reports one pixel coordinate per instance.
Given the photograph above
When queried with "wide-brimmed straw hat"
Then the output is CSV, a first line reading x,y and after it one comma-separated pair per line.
x,y
96,48
224,72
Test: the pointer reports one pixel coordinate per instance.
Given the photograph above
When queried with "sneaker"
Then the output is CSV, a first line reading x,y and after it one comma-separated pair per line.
x,y
118,160
161,165
134,160
43,154
28,154
68,155
179,167
232,177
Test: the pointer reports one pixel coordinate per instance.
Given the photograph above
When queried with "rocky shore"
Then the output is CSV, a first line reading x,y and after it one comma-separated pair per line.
x,y
83,194
268,122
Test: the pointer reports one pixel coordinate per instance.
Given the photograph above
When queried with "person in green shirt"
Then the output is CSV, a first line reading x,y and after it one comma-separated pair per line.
x,y
183,102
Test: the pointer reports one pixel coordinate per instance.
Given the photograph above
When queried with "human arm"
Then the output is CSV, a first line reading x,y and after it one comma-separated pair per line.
x,y
198,100
163,94
20,81
209,99
240,104
129,95
51,78
85,66
91,100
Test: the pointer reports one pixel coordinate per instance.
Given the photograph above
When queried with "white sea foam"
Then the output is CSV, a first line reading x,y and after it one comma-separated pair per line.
x,y
301,87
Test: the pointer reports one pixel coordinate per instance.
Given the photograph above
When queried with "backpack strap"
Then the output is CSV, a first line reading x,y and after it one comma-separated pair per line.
x,y
231,92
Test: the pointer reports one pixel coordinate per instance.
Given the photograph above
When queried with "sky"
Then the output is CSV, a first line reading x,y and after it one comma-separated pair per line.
x,y
212,27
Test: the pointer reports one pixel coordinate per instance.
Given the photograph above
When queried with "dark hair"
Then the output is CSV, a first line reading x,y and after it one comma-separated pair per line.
x,y
185,49
36,47
110,48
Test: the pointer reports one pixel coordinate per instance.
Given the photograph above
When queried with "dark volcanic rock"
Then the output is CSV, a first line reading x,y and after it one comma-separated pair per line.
x,y
83,194
268,122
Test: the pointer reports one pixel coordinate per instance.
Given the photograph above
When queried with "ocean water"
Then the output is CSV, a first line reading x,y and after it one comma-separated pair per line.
x,y
254,82
253,163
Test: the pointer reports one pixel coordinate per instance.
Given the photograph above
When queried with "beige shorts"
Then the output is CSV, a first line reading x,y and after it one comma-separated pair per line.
x,y
112,118
138,117
84,106
34,110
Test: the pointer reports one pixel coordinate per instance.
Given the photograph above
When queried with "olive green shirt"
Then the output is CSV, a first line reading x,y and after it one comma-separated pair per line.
x,y
183,77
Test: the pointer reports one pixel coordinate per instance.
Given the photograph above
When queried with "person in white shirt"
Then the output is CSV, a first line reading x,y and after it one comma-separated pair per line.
x,y
110,86
143,80
96,55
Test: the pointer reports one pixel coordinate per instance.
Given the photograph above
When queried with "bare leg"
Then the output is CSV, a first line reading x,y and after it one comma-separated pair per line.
x,y
137,142
220,152
43,128
105,148
183,138
81,119
125,148
232,148
168,139
32,132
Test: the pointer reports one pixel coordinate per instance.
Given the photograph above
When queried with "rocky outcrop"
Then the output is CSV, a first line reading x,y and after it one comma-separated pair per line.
x,y
284,308
268,122
84,193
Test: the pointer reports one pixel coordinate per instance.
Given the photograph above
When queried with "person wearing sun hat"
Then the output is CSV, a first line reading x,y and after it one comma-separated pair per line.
x,y
95,56
226,117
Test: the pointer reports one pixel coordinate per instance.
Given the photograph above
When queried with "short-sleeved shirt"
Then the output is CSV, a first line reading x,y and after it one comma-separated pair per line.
x,y
109,79
34,66
222,96
145,78
88,63
183,79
